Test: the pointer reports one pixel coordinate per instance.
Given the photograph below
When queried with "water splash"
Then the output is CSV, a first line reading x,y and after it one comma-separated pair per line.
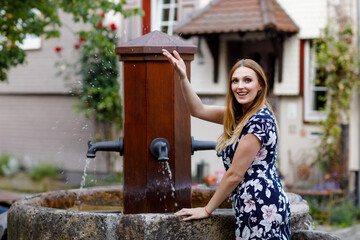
x,y
82,184
83,178
167,168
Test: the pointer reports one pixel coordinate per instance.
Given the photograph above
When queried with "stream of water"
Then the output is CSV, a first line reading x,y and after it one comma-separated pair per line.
x,y
82,184
168,171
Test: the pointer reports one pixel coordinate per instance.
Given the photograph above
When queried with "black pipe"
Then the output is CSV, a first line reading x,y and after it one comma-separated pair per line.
x,y
110,146
197,145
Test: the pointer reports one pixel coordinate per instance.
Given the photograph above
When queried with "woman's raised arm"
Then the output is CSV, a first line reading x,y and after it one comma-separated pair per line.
x,y
196,107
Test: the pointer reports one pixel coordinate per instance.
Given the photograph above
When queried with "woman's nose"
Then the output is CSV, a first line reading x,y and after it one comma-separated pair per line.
x,y
240,84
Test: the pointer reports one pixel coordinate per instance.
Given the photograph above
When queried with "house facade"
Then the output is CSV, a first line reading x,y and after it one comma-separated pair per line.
x,y
38,121
265,31
36,106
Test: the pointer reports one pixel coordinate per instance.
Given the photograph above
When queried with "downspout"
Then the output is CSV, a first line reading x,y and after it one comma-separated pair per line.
x,y
146,19
358,42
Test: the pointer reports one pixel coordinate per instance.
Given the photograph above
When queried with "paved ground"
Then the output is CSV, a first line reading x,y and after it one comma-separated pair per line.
x,y
348,233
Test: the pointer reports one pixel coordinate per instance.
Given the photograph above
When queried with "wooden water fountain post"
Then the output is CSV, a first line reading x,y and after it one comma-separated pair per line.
x,y
155,108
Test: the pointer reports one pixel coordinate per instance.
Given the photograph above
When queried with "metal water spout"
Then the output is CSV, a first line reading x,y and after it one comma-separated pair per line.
x,y
110,146
160,148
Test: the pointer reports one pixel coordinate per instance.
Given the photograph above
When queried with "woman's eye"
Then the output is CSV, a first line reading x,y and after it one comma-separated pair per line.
x,y
234,81
248,80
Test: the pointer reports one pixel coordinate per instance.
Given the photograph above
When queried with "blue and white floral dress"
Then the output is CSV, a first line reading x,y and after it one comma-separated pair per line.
x,y
262,209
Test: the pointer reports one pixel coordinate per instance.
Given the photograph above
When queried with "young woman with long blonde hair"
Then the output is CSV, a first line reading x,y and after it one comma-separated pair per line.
x,y
248,148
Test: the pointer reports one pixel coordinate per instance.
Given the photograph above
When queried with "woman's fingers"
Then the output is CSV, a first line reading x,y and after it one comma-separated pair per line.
x,y
183,212
169,56
173,61
173,58
176,61
177,55
192,213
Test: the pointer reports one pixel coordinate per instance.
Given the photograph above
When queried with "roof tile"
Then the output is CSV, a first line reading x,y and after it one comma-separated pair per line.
x,y
225,16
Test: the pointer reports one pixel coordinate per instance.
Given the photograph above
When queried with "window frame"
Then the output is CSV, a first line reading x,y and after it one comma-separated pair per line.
x,y
311,114
173,12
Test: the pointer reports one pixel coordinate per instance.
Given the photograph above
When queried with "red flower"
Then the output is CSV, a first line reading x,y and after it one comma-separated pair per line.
x,y
81,39
113,27
76,45
99,24
58,49
102,14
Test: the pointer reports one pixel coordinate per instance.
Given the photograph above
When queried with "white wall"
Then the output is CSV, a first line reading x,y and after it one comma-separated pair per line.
x,y
290,84
213,94
309,15
44,129
297,140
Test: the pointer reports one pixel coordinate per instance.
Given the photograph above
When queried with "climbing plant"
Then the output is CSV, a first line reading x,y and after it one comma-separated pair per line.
x,y
95,64
337,68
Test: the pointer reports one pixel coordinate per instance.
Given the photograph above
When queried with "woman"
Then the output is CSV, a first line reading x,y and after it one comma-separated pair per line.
x,y
248,146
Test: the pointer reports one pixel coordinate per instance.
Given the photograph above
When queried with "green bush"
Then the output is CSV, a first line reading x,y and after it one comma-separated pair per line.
x,y
319,208
40,171
8,165
344,214
114,178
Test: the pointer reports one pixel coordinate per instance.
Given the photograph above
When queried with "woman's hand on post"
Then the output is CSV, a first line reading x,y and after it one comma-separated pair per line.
x,y
177,62
193,213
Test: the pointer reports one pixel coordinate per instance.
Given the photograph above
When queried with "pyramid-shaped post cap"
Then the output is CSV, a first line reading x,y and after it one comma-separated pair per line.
x,y
154,42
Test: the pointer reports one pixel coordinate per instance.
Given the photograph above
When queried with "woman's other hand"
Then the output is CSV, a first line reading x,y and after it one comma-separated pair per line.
x,y
193,213
177,62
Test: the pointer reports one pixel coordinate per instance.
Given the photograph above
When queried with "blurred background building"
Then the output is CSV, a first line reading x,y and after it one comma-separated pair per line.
x,y
38,122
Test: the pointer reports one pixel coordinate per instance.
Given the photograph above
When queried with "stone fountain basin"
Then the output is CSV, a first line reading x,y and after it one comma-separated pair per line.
x,y
54,215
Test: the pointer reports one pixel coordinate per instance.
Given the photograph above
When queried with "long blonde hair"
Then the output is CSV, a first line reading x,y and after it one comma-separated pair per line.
x,y
234,118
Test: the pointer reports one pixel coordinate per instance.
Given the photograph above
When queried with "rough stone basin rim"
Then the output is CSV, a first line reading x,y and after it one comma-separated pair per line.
x,y
44,216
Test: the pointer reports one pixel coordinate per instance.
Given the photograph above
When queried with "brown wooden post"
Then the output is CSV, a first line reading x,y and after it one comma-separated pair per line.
x,y
154,108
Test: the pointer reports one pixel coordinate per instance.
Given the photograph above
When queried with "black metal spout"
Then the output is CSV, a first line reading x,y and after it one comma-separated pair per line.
x,y
197,145
111,146
160,148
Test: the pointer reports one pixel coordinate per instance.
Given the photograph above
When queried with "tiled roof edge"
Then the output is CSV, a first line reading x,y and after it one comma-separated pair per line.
x,y
195,15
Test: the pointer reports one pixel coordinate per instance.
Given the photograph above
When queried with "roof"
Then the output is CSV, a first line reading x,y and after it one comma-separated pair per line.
x,y
227,16
154,42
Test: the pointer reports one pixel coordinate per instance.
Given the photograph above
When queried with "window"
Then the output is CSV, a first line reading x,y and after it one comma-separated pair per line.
x,y
168,15
31,42
315,96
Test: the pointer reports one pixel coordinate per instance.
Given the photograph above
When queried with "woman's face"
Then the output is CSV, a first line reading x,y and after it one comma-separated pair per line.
x,y
245,86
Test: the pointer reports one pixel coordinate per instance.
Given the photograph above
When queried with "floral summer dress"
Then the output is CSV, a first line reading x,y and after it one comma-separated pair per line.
x,y
262,209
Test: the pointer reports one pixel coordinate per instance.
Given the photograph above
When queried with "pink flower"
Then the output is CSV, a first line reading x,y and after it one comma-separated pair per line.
x,y
249,204
261,155
269,212
102,14
58,49
113,27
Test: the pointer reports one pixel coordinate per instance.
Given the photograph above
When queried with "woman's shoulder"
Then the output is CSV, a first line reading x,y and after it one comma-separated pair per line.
x,y
264,114
262,124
